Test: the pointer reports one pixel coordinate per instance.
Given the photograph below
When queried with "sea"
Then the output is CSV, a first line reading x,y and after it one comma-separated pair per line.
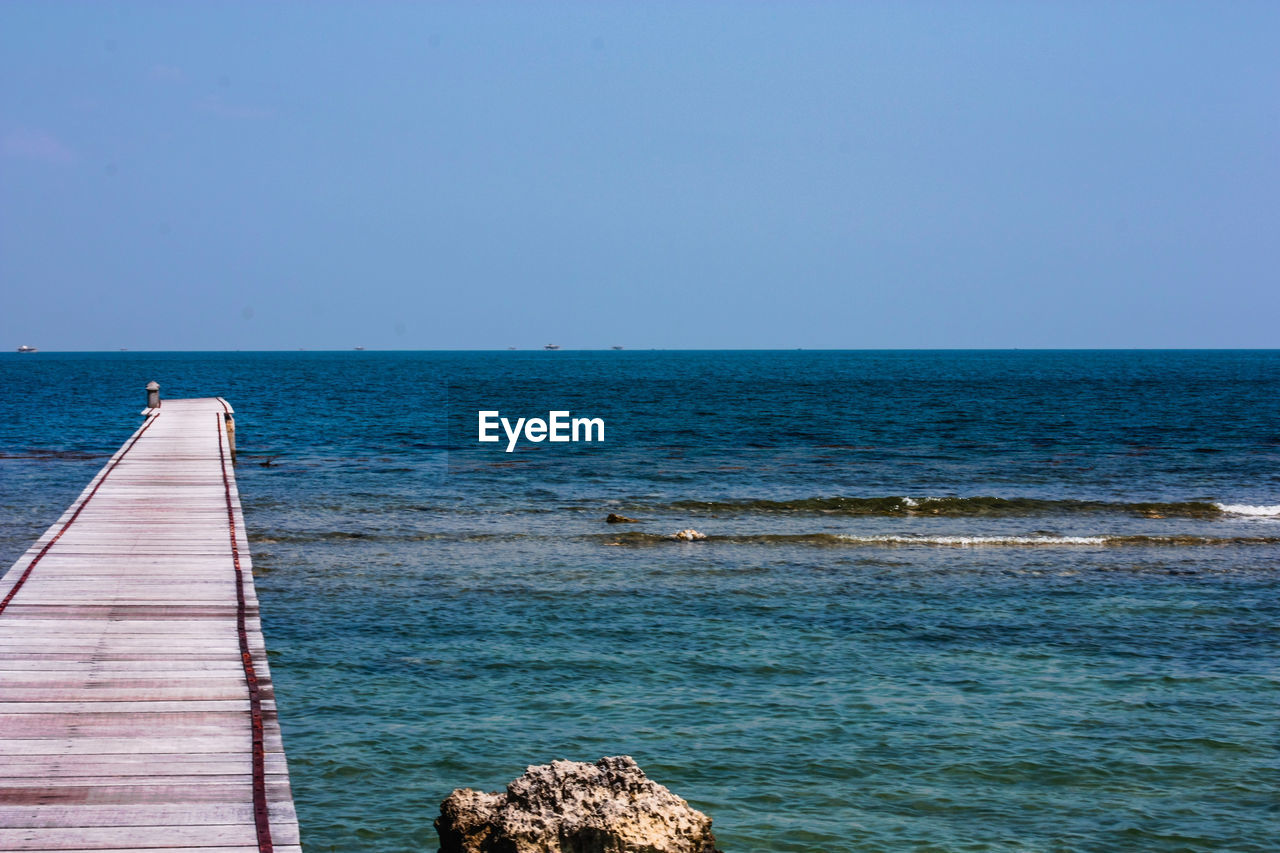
x,y
946,601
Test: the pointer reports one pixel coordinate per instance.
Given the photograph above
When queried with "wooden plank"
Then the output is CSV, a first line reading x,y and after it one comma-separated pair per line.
x,y
124,710
122,694
279,848
171,788
120,791
146,814
107,725
140,742
106,706
37,769
114,837
13,665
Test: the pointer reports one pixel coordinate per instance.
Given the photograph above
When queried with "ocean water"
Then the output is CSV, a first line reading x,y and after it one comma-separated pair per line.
x,y
948,601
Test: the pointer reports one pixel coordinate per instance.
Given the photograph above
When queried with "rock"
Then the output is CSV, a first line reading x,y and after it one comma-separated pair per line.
x,y
689,535
614,518
574,807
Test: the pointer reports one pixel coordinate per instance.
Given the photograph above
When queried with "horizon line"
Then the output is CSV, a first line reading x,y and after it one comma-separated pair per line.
x,y
561,349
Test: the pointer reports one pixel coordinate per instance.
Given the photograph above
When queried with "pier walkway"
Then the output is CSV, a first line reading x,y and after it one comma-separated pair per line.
x,y
136,708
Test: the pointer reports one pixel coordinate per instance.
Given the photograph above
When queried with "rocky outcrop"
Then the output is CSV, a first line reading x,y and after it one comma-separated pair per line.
x,y
573,807
614,518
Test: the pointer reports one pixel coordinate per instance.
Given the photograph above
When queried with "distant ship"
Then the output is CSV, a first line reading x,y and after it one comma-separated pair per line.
x,y
552,346
358,349
25,348
616,347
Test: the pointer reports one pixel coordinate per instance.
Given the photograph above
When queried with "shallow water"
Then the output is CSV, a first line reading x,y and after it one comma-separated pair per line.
x,y
948,601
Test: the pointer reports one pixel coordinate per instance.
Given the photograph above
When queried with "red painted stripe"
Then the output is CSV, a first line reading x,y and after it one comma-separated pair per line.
x,y
45,550
260,815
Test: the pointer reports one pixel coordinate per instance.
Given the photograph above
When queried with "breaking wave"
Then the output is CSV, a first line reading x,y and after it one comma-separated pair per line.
x,y
968,506
835,540
1252,510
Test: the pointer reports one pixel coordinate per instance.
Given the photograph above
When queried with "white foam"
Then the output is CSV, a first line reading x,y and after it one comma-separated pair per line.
x,y
1252,510
969,541
910,502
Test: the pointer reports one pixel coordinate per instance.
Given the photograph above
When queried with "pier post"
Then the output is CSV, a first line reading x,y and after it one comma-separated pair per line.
x,y
231,434
153,395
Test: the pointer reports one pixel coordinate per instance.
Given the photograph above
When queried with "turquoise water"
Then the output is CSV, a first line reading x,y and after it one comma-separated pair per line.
x,y
996,601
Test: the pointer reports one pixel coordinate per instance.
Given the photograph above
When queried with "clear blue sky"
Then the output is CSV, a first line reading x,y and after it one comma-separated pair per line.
x,y
685,175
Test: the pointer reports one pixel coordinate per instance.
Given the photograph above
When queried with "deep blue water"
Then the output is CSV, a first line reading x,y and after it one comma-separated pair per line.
x,y
948,600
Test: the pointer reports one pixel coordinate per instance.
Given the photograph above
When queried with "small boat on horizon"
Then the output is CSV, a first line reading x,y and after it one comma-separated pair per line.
x,y
25,348
615,347
552,346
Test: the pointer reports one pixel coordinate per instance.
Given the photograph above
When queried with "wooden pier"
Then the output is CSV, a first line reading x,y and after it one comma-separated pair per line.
x,y
136,708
